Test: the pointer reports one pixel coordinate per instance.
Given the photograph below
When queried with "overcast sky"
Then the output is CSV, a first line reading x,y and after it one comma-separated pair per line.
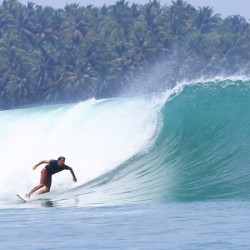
x,y
223,7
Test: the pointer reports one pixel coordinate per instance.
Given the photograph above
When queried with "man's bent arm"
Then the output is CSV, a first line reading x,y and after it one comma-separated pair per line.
x,y
41,162
73,174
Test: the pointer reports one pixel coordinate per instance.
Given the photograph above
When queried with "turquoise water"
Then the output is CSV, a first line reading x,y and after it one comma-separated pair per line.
x,y
199,225
167,171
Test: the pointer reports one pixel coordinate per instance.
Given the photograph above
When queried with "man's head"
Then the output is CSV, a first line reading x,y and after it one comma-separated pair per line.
x,y
61,160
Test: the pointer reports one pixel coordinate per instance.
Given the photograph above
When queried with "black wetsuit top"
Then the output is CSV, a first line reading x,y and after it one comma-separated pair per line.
x,y
53,167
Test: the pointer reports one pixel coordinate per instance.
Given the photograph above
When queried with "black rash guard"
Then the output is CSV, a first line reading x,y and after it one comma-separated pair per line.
x,y
53,167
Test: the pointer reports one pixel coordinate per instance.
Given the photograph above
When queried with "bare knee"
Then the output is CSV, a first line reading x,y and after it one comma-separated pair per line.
x,y
46,189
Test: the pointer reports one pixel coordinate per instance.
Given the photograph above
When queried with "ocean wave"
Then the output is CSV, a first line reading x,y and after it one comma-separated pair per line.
x,y
189,144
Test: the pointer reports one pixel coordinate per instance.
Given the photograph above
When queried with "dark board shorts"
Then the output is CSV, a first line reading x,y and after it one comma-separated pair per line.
x,y
45,178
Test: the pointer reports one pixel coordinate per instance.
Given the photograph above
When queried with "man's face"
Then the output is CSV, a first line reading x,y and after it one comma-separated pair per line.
x,y
61,162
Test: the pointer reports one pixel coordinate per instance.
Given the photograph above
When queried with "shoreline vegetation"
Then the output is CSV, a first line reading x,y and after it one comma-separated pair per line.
x,y
52,56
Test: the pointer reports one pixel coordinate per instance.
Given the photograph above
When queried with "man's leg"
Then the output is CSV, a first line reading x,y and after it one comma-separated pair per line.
x,y
45,190
34,189
48,181
42,183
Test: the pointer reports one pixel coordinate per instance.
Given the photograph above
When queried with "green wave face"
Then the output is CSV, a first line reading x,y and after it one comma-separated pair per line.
x,y
205,141
201,151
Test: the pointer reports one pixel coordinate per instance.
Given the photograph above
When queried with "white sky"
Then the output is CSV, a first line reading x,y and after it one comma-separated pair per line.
x,y
223,7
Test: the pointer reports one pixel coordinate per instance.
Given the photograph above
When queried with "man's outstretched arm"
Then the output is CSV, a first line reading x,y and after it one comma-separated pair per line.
x,y
73,174
40,162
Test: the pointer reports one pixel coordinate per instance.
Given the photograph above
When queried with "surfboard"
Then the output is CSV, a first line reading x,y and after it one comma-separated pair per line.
x,y
23,198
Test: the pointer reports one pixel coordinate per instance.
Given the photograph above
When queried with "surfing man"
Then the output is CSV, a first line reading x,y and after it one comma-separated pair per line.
x,y
52,167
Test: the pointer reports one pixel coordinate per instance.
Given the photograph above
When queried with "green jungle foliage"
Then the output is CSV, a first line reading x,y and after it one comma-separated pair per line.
x,y
67,55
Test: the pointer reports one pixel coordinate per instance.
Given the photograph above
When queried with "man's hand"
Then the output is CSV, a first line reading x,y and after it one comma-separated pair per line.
x,y
73,174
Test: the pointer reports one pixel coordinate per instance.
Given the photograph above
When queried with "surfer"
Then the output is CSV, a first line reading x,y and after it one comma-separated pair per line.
x,y
52,167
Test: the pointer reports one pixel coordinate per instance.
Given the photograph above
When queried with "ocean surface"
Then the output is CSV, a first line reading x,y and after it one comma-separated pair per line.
x,y
159,171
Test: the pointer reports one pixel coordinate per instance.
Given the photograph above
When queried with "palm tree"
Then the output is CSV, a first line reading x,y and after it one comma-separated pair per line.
x,y
205,21
180,18
41,64
48,24
122,15
141,48
52,90
74,24
6,21
152,13
79,82
234,41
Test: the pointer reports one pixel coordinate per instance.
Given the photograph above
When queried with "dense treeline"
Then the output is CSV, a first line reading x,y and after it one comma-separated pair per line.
x,y
64,55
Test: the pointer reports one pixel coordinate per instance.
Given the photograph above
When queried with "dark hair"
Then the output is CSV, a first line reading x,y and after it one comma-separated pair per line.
x,y
61,157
